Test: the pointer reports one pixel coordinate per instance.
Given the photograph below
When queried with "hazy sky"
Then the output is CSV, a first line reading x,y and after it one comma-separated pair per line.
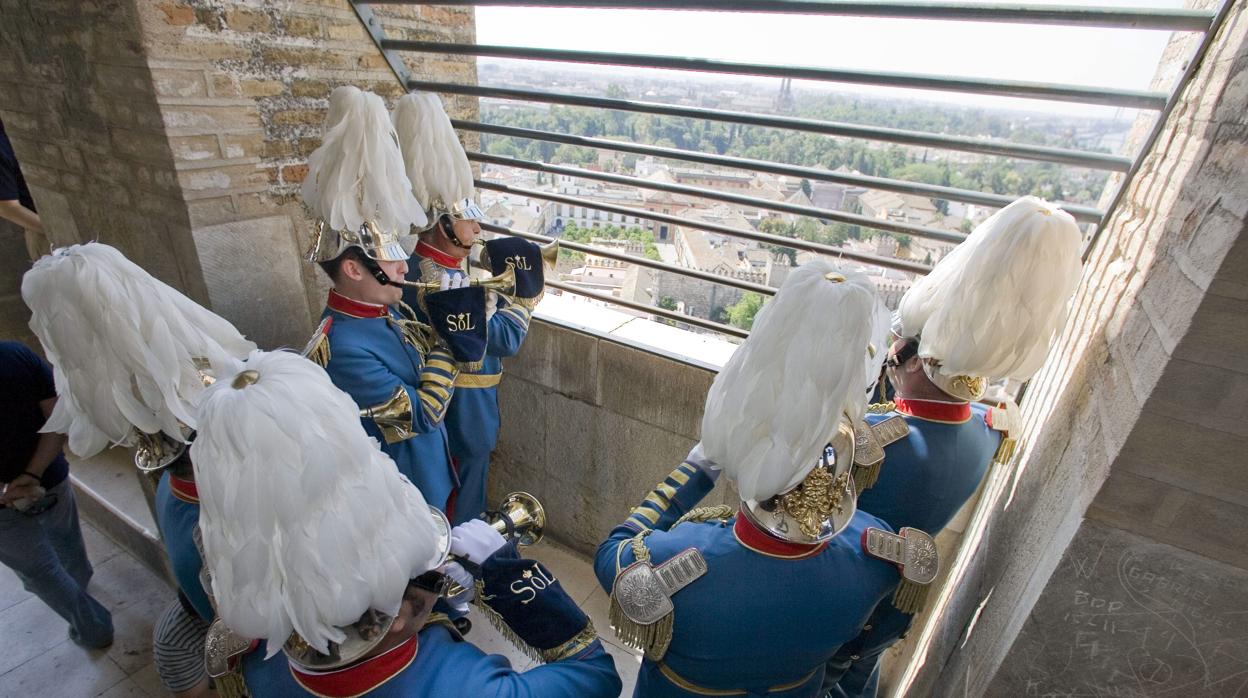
x,y
1120,58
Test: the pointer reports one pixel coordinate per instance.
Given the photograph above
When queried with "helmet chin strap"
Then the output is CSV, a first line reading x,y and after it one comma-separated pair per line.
x,y
449,232
375,269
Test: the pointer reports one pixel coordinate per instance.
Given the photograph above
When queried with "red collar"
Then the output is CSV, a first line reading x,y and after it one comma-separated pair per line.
x,y
760,541
440,258
934,410
353,308
360,678
184,490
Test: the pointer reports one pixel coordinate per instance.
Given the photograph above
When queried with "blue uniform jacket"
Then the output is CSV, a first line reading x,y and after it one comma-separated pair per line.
x,y
177,513
767,614
445,667
928,475
368,360
472,421
925,479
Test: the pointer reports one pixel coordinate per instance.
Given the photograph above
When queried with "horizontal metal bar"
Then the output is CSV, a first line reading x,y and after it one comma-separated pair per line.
x,y
1159,125
652,310
699,192
1082,213
1141,99
1022,151
1131,18
766,238
639,261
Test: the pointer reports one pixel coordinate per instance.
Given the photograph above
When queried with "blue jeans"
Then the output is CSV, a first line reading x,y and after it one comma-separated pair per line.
x,y
47,553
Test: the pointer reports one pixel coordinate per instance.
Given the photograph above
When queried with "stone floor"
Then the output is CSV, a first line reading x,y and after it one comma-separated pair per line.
x,y
40,660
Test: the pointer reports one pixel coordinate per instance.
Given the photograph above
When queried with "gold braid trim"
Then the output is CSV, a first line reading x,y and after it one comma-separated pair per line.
x,y
572,647
881,407
231,685
704,514
910,597
640,551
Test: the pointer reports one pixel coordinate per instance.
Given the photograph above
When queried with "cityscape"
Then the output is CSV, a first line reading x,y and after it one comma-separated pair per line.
x,y
717,252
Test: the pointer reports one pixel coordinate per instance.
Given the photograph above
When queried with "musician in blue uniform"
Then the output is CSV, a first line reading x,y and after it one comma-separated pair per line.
x,y
754,601
71,280
371,344
1010,282
349,561
441,178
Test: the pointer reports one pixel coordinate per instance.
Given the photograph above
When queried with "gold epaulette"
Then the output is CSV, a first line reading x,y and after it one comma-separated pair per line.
x,y
317,348
1006,419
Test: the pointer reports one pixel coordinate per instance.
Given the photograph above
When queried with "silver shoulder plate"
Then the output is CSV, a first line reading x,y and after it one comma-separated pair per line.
x,y
871,439
644,592
913,551
219,645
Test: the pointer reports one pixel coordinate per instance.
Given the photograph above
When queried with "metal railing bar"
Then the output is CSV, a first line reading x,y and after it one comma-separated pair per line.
x,y
1159,124
1131,18
1083,213
1142,99
1022,151
639,261
699,192
767,238
652,310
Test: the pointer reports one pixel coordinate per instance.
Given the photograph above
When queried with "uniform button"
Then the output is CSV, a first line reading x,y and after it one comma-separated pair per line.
x,y
854,657
867,626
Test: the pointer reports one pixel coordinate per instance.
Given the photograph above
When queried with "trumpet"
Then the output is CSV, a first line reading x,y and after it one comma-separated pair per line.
x,y
501,283
520,518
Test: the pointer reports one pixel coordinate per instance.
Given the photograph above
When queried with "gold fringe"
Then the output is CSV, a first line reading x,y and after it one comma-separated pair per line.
x,y
470,366
528,303
653,639
1005,452
319,353
501,626
703,514
231,685
865,477
910,597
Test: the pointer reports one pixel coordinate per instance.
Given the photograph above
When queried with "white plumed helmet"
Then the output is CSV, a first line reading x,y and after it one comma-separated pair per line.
x,y
437,166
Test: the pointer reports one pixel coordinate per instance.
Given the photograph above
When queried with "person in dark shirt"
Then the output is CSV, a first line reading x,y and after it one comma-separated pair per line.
x,y
40,538
16,204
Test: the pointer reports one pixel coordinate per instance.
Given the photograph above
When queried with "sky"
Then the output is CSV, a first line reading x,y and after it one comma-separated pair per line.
x,y
1121,58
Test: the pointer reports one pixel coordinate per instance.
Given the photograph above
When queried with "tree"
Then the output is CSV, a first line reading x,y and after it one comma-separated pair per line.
x,y
806,189
741,314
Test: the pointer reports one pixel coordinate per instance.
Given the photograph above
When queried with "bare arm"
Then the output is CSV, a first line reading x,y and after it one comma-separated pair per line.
x,y
46,451
12,210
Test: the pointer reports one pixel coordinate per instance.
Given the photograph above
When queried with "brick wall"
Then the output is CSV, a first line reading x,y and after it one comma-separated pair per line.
x,y
1136,424
203,113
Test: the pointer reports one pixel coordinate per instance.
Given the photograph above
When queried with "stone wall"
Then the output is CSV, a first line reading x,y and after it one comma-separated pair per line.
x,y
591,425
179,130
1136,424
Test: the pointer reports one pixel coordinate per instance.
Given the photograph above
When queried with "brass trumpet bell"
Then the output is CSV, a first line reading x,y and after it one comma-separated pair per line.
x,y
393,417
522,516
550,254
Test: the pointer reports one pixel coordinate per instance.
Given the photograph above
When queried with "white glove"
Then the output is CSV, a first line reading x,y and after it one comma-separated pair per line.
x,y
444,282
491,304
701,462
475,540
456,571
459,280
